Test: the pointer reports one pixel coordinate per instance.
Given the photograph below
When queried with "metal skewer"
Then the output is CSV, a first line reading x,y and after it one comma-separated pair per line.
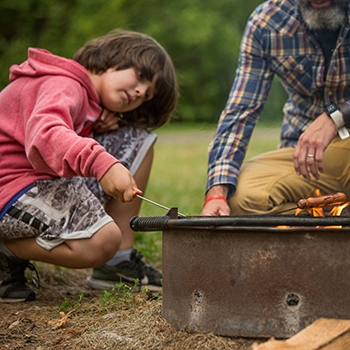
x,y
157,204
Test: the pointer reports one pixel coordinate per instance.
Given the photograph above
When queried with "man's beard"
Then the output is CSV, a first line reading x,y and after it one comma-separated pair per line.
x,y
328,18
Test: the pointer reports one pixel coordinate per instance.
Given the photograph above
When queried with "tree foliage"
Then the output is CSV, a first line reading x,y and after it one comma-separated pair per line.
x,y
201,36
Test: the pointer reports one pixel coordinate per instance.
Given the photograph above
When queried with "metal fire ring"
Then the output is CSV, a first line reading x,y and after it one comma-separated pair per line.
x,y
250,276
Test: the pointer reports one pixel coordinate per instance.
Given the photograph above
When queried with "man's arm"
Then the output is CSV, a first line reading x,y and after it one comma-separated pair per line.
x,y
237,121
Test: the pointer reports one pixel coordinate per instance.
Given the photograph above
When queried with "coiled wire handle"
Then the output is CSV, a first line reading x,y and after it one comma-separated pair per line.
x,y
154,223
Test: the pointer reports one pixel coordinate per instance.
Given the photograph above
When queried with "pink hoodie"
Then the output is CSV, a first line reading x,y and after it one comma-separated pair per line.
x,y
49,103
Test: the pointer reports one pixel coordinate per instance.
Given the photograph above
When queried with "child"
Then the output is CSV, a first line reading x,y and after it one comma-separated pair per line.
x,y
75,146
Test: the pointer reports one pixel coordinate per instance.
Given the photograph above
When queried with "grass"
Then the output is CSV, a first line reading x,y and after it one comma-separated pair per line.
x,y
178,176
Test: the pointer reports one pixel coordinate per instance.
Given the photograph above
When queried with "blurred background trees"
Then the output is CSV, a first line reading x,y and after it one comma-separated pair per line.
x,y
201,36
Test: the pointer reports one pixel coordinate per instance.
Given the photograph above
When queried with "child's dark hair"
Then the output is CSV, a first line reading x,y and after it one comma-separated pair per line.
x,y
125,49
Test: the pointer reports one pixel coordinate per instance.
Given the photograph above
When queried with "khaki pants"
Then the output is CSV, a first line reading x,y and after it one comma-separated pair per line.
x,y
268,182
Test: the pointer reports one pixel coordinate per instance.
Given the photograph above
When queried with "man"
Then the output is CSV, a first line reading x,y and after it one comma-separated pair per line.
x,y
307,45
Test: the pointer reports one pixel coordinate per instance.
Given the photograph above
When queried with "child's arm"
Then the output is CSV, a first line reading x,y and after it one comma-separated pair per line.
x,y
51,142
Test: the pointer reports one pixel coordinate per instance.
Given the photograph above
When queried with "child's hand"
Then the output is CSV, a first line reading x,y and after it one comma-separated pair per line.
x,y
119,183
107,121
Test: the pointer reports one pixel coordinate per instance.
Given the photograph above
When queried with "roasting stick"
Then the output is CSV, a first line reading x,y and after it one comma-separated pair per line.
x,y
328,200
154,203
285,210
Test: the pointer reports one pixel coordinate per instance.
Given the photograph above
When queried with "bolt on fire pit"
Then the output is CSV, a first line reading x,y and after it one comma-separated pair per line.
x,y
247,276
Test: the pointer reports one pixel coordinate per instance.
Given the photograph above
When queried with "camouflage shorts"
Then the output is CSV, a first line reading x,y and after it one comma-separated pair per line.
x,y
54,211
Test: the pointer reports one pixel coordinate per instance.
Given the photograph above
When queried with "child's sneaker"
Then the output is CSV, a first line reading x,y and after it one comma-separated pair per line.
x,y
127,272
13,288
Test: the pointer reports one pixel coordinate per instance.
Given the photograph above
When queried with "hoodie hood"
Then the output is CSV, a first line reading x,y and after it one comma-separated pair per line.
x,y
41,62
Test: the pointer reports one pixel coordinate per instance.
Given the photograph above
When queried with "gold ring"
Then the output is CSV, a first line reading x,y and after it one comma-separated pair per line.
x,y
311,155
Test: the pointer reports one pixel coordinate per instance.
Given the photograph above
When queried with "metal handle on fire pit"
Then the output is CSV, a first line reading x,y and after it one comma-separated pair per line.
x,y
160,223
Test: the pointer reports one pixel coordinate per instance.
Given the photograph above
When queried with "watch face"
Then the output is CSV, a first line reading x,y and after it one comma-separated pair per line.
x,y
332,107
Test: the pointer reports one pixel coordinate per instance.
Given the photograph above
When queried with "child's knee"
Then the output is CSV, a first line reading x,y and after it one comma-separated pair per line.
x,y
103,246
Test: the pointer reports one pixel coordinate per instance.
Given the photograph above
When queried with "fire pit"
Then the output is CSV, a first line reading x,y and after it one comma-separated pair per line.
x,y
252,276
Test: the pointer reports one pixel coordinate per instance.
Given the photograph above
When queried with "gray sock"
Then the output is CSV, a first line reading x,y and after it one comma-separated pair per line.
x,y
120,256
4,249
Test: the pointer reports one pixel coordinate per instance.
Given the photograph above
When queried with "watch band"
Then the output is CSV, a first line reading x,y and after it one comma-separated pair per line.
x,y
338,119
333,112
345,109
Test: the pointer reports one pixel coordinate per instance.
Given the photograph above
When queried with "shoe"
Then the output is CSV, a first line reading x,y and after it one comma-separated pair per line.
x,y
13,288
127,272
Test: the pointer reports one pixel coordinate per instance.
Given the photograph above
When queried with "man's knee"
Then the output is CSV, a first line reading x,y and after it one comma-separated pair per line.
x,y
246,203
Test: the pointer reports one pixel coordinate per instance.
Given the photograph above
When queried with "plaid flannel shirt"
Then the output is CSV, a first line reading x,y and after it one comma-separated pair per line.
x,y
276,42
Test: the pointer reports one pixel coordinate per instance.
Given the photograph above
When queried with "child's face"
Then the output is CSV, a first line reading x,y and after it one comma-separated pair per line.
x,y
123,90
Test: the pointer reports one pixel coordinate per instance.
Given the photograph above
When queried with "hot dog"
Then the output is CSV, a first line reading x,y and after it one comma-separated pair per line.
x,y
322,201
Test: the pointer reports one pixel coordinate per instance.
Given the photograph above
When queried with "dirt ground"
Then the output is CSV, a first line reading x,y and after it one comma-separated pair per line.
x,y
69,315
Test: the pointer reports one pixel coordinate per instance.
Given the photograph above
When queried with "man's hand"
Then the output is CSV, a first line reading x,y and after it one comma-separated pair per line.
x,y
107,121
119,183
309,152
216,207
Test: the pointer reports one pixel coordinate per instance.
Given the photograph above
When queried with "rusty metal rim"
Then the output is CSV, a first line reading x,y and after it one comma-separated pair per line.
x,y
259,222
261,229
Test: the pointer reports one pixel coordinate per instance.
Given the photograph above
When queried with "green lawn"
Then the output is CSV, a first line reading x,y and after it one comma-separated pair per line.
x,y
178,176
